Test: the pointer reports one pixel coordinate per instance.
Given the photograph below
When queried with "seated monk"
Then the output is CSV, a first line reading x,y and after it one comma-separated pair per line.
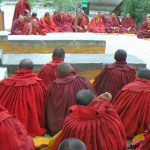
x,y
113,24
61,95
13,134
128,25
47,24
144,31
95,122
114,76
132,104
34,16
17,26
49,71
32,28
97,24
23,95
72,144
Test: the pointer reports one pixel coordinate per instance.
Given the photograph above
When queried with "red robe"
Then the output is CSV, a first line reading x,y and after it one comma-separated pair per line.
x,y
23,95
97,125
133,106
126,24
144,31
83,24
114,77
13,135
49,71
61,94
20,8
17,27
97,25
47,26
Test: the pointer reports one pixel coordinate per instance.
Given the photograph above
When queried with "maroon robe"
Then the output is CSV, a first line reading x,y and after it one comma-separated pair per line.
x,y
144,31
13,134
97,125
114,77
133,106
61,94
49,71
83,24
20,8
23,95
17,27
128,26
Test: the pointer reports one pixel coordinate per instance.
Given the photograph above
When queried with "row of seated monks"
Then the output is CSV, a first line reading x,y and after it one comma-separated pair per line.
x,y
59,102
65,22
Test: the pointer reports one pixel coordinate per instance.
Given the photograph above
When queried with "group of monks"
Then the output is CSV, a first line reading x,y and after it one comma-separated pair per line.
x,y
83,115
59,21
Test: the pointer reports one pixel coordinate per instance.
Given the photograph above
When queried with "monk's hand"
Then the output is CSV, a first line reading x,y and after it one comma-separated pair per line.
x,y
106,96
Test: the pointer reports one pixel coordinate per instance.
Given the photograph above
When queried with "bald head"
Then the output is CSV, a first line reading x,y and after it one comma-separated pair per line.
x,y
64,69
84,97
144,73
59,52
72,144
120,55
26,63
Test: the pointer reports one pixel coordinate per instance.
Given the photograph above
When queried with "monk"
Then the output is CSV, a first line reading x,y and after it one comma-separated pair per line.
x,y
32,28
13,134
23,95
66,87
97,24
144,31
17,26
72,144
34,16
128,25
114,76
95,122
27,18
113,24
21,8
132,104
49,71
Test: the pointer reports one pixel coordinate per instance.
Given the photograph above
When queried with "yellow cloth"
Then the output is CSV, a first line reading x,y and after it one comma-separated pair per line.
x,y
92,81
138,137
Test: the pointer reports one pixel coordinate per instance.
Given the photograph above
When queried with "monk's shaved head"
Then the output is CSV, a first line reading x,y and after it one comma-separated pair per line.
x,y
120,55
84,97
144,73
26,63
72,144
64,69
59,52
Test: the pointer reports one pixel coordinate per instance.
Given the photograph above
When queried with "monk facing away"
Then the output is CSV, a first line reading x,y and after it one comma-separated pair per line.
x,y
23,95
144,31
13,134
114,76
95,122
49,71
133,106
61,94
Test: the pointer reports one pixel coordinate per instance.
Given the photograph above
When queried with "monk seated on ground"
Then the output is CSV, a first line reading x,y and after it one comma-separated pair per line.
x,y
66,87
23,95
132,104
128,25
49,71
13,134
114,76
95,122
144,31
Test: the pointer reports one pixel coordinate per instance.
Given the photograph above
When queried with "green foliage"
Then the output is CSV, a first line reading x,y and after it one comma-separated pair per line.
x,y
137,8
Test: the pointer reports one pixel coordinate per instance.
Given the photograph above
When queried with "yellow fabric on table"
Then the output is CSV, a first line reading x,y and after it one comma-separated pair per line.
x,y
91,81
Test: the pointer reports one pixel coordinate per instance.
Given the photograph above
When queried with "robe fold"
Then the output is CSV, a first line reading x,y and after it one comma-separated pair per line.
x,y
48,72
114,77
23,95
61,94
13,134
20,9
132,104
97,125
144,31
